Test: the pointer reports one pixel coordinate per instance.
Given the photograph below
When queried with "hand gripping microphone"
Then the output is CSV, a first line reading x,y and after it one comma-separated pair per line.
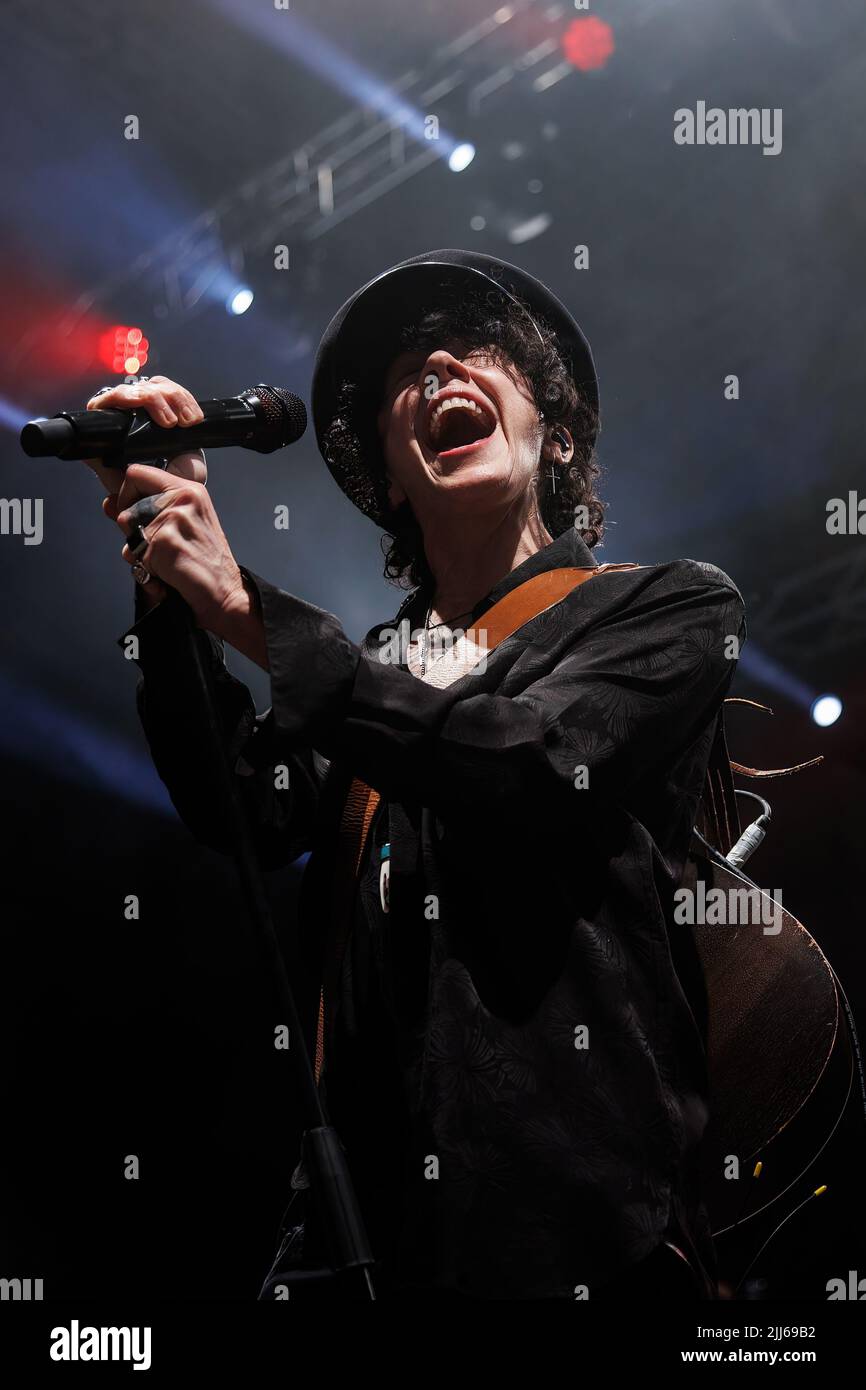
x,y
264,418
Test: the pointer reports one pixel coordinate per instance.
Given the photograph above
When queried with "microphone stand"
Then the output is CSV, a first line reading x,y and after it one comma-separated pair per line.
x,y
324,1156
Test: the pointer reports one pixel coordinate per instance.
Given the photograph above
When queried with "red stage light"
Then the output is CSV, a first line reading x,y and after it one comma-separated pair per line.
x,y
120,346
588,43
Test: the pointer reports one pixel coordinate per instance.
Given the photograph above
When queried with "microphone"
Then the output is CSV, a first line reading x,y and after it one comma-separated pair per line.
x,y
264,418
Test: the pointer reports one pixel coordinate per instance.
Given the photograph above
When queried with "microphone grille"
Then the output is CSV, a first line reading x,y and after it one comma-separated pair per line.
x,y
284,411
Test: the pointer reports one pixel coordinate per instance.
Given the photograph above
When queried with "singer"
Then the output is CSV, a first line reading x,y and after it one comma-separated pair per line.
x,y
507,1048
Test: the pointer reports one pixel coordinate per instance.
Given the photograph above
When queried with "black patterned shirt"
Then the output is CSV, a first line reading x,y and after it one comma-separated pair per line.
x,y
517,1072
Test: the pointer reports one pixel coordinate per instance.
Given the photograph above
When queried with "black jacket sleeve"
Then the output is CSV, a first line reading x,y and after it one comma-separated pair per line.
x,y
281,816
632,691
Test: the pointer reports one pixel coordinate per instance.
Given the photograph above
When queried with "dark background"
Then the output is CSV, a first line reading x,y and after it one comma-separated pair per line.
x,y
150,1036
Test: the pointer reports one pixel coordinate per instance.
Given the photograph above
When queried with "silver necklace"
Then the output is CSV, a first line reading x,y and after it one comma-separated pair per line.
x,y
424,645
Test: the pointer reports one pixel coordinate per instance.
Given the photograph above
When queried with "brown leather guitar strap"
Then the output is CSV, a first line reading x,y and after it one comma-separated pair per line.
x,y
512,611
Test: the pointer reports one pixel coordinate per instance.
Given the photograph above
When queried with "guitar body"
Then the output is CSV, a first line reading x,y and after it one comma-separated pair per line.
x,y
779,1057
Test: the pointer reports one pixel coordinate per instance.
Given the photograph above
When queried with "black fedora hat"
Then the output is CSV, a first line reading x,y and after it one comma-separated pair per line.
x,y
363,338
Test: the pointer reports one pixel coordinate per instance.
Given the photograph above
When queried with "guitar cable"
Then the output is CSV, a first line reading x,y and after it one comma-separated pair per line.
x,y
753,834
818,1192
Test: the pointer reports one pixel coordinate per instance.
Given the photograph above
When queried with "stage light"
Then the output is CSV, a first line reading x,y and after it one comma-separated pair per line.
x,y
239,300
460,157
588,43
120,347
826,710
528,230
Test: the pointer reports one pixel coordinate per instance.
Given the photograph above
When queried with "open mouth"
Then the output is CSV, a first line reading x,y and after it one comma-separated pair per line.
x,y
457,423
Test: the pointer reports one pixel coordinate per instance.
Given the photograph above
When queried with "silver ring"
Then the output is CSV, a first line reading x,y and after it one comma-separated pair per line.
x,y
137,542
140,574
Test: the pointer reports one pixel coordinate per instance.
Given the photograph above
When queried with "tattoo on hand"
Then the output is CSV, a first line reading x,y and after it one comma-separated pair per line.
x,y
146,509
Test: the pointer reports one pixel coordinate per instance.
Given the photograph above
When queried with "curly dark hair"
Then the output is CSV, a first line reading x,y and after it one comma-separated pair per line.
x,y
500,326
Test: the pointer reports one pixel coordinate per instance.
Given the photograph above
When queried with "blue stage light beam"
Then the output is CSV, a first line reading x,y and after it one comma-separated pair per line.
x,y
37,731
12,417
285,30
755,663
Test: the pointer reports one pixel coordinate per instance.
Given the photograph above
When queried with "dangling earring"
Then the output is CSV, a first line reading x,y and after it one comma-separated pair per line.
x,y
560,438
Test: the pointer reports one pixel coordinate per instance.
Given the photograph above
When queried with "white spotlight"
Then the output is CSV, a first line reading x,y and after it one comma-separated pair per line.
x,y
460,157
239,300
826,710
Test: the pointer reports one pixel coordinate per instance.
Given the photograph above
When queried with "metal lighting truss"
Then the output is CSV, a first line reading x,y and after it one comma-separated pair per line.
x,y
337,172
